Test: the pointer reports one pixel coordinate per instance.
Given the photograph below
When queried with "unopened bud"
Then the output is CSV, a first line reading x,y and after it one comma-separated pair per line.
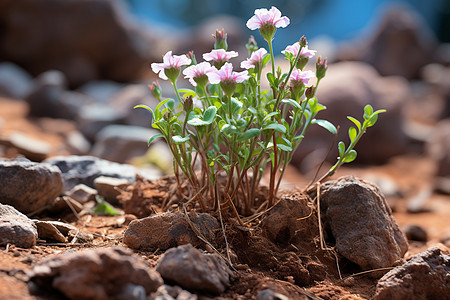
x,y
167,116
221,40
302,61
251,46
191,56
155,89
303,41
188,104
310,92
321,67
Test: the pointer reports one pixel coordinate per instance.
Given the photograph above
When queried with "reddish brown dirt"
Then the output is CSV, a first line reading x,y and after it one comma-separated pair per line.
x,y
260,263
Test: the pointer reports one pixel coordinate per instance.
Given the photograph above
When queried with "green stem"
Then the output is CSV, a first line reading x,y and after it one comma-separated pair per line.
x,y
271,56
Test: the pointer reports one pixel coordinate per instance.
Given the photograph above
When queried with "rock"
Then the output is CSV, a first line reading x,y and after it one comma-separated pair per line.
x,y
101,91
406,41
47,231
121,143
424,276
269,294
64,204
438,78
77,144
363,86
110,188
417,204
82,193
96,274
94,117
102,44
130,96
360,220
31,148
167,292
415,233
16,228
194,270
14,81
62,227
439,149
29,186
49,97
166,230
85,169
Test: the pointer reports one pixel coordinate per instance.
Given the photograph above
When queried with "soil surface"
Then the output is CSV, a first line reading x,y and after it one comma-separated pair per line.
x,y
410,177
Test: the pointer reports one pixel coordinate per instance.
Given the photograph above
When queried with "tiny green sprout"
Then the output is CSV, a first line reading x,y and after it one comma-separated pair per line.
x,y
104,208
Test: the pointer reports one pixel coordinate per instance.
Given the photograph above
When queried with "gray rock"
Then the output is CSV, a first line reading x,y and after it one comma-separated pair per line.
x,y
121,143
85,169
31,148
47,231
77,144
424,276
96,274
29,186
94,117
82,193
102,90
167,292
14,81
102,44
193,270
400,45
363,86
269,294
163,231
415,233
360,220
49,97
16,228
110,188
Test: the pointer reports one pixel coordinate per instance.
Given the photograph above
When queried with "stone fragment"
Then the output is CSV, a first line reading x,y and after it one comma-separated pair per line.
x,y
168,292
31,148
360,220
269,294
47,231
82,193
415,233
16,228
193,270
424,276
14,81
166,230
29,186
110,188
96,274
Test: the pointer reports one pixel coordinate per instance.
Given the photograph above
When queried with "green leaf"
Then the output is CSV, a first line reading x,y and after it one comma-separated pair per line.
x,y
170,104
371,120
291,102
275,126
104,208
284,147
252,110
145,107
209,114
187,92
368,111
154,138
352,133
228,128
251,133
270,115
160,104
265,59
178,139
341,148
197,122
235,104
356,122
272,80
325,124
351,156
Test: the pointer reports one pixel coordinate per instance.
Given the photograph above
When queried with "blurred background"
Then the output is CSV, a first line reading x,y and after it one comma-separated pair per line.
x,y
71,71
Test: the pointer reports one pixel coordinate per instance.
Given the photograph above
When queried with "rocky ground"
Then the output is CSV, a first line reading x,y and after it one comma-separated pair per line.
x,y
53,245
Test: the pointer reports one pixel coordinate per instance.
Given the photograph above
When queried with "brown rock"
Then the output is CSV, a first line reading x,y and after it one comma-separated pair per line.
x,y
82,193
47,231
194,270
16,228
96,274
424,276
415,233
110,188
163,231
361,222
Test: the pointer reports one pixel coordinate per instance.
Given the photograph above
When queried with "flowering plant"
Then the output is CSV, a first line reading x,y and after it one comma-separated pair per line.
x,y
226,131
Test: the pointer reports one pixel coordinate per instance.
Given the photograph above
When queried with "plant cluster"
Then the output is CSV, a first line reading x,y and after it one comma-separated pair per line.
x,y
227,131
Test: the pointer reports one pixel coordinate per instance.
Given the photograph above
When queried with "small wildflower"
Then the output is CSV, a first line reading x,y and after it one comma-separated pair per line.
x,y
227,78
219,57
298,79
170,67
220,40
305,54
198,74
155,89
251,46
255,61
321,67
191,56
267,21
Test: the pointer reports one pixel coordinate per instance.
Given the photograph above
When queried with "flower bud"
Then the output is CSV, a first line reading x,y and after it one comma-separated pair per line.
x,y
228,86
310,92
303,42
302,61
221,40
191,56
251,46
167,116
172,73
155,89
188,104
268,30
321,67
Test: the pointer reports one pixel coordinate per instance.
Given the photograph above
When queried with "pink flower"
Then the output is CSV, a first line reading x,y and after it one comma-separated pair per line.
x,y
226,74
255,59
305,52
299,76
170,61
267,17
219,55
198,73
